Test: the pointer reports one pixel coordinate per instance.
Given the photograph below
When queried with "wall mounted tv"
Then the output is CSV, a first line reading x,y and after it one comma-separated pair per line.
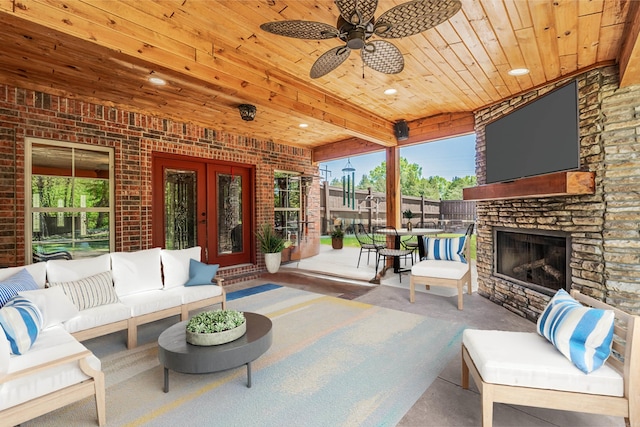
x,y
538,138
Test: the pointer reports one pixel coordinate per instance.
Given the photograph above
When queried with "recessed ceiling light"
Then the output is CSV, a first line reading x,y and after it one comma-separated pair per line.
x,y
390,91
303,125
157,81
518,71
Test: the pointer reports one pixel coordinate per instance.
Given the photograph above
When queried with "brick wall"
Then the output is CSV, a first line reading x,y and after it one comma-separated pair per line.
x,y
604,227
134,136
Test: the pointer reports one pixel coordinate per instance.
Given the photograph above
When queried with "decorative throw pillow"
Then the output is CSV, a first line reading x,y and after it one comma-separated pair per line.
x,y
21,321
91,291
175,265
201,273
446,249
21,281
53,303
582,334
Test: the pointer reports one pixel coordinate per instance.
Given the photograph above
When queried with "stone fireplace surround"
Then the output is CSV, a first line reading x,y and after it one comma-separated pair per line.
x,y
604,227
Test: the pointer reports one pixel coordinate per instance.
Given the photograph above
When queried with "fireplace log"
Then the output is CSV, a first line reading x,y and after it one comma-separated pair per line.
x,y
552,271
522,268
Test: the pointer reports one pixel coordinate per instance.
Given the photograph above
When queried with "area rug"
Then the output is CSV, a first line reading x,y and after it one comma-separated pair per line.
x,y
333,362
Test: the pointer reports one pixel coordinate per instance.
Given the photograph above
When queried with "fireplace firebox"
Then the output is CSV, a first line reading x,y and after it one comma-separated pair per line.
x,y
537,259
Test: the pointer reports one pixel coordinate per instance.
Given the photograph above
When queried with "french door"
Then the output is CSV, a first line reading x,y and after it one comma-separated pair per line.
x,y
199,203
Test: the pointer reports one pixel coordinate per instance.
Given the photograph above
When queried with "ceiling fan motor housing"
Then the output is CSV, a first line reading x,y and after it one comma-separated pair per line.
x,y
354,35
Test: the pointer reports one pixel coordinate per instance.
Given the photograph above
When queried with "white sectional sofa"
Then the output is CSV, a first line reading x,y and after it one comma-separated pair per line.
x,y
105,294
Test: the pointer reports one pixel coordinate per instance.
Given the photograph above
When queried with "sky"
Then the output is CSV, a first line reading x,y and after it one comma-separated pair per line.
x,y
447,158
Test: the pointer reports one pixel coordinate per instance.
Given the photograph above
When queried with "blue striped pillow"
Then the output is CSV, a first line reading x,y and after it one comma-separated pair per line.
x,y
21,321
447,249
583,335
21,281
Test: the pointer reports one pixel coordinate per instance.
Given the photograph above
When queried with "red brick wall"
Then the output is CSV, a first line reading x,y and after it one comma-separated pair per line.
x,y
134,136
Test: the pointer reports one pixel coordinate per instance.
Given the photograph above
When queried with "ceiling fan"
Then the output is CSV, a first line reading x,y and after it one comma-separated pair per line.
x,y
356,24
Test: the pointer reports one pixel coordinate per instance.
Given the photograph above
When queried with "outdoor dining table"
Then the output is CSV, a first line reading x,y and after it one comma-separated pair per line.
x,y
419,232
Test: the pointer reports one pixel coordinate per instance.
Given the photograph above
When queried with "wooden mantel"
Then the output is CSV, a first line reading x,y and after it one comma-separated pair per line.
x,y
549,185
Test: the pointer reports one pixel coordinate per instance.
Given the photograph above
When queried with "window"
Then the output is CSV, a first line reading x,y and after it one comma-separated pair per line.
x,y
287,209
70,187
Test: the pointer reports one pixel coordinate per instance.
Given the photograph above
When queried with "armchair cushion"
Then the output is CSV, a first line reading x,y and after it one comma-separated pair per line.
x,y
21,321
445,249
440,269
10,286
525,359
583,335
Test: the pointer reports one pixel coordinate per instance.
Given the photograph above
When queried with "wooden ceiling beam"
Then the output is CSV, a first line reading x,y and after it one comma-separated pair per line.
x,y
273,89
629,58
422,130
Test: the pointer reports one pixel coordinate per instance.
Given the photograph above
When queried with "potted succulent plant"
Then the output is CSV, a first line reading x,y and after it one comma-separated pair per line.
x,y
216,327
337,238
271,245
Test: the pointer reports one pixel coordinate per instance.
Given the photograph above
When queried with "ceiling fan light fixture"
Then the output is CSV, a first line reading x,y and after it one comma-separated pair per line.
x,y
518,72
247,112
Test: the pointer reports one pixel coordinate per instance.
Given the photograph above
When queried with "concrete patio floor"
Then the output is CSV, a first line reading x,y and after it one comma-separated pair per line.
x,y
444,403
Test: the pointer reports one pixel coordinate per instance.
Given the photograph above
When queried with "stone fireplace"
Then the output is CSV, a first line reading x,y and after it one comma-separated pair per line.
x,y
601,229
536,259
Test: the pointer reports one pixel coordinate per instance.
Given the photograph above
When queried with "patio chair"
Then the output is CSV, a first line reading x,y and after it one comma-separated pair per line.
x,y
447,267
366,242
46,256
524,368
380,240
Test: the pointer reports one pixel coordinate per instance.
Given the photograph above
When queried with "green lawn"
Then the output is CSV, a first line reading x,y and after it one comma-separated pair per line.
x,y
350,240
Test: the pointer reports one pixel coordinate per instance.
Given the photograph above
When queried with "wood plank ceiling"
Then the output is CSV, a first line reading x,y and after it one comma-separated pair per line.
x,y
214,56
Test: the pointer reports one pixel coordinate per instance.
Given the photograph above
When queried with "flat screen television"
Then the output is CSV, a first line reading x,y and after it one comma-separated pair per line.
x,y
539,138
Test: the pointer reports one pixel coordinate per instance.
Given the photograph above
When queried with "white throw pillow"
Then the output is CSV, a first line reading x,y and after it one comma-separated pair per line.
x,y
53,303
63,270
175,265
135,272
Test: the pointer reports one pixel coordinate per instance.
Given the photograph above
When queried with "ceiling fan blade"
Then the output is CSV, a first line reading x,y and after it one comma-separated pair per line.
x,y
414,17
329,61
301,29
382,56
357,11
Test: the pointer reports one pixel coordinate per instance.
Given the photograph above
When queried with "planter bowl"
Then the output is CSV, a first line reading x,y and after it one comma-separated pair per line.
x,y
216,338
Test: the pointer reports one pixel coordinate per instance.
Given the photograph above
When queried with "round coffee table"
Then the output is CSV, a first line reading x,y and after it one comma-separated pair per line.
x,y
176,354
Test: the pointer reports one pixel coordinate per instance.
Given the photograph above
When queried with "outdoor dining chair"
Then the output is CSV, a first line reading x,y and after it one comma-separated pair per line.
x,y
380,239
366,242
411,242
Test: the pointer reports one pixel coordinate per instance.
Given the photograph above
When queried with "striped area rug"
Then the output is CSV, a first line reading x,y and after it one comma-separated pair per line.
x,y
333,362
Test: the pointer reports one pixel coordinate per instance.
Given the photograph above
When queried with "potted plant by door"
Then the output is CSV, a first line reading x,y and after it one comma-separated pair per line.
x,y
271,246
337,238
408,214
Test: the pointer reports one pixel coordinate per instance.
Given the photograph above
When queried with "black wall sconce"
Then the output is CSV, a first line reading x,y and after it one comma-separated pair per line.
x,y
247,112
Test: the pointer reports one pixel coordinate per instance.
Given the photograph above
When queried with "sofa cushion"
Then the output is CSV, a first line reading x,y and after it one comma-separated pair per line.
x,y
583,334
21,321
526,359
201,273
91,291
20,281
150,301
192,294
38,272
440,269
52,344
445,249
98,316
53,303
61,270
135,272
175,265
